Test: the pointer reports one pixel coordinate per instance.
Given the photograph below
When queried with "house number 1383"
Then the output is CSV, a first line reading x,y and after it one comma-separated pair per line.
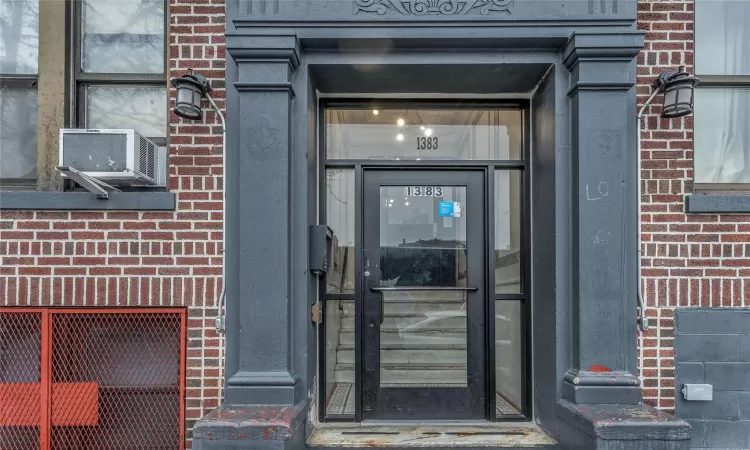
x,y
427,143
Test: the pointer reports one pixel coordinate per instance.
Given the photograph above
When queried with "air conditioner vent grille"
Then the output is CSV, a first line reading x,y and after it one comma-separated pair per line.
x,y
148,158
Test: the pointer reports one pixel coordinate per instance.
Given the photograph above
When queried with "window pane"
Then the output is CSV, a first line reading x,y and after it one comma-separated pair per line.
x,y
122,36
19,36
423,339
339,358
141,108
18,112
722,136
507,231
721,37
508,358
340,217
423,134
423,235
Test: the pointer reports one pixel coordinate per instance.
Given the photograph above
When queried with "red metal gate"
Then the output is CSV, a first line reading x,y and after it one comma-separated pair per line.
x,y
92,378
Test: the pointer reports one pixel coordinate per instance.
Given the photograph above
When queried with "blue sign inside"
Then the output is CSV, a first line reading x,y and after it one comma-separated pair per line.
x,y
446,209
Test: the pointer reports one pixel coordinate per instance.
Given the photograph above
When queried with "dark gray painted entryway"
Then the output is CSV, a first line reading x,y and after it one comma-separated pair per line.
x,y
574,60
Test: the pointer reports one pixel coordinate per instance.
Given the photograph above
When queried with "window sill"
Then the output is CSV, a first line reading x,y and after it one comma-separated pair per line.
x,y
717,203
57,201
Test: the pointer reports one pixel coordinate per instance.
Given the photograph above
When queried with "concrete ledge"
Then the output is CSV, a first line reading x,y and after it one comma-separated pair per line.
x,y
625,427
66,201
272,427
717,203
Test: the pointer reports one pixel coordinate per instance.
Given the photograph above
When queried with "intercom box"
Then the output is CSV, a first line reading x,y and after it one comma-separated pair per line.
x,y
321,239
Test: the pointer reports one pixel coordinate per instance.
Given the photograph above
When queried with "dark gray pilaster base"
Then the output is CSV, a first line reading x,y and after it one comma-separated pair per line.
x,y
602,387
620,427
245,427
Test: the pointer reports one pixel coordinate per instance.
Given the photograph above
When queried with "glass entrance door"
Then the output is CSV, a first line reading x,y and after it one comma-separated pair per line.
x,y
424,295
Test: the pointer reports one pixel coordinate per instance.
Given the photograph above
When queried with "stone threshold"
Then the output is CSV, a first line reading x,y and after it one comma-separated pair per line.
x,y
516,435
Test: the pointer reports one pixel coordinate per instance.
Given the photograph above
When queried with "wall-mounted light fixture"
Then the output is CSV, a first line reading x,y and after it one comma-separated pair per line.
x,y
678,88
190,91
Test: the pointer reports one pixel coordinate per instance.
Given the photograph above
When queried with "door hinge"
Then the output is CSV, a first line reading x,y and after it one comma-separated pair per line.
x,y
316,316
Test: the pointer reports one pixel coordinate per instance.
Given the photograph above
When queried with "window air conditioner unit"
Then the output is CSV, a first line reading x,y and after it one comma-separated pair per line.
x,y
116,157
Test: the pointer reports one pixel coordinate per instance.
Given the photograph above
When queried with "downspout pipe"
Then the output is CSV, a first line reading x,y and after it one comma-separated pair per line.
x,y
644,319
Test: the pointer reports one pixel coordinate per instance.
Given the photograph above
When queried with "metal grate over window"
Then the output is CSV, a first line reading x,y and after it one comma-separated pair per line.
x,y
92,379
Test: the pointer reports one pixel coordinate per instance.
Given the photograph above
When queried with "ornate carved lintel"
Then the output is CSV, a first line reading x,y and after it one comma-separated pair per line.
x,y
434,7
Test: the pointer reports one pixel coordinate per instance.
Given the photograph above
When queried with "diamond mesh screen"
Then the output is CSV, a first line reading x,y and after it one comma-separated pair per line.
x,y
133,360
20,379
91,380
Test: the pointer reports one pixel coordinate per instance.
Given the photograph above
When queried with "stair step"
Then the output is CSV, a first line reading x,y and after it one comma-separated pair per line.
x,y
426,338
398,373
415,307
415,322
404,345
411,356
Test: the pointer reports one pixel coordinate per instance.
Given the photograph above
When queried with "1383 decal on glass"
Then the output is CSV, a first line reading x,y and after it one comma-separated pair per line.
x,y
423,191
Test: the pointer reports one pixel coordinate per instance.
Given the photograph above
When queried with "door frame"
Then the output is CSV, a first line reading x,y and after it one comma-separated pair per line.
x,y
385,402
523,166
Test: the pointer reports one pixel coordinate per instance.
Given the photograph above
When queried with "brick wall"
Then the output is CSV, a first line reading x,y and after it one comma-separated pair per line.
x,y
688,259
143,258
712,346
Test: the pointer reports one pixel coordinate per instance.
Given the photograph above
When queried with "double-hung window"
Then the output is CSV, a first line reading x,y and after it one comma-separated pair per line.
x,y
115,77
19,52
120,66
722,100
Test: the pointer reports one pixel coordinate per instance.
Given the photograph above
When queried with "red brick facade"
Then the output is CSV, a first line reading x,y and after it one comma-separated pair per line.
x,y
144,258
688,259
174,258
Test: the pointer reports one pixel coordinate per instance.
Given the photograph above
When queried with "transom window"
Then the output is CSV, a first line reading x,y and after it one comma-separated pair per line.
x,y
426,133
722,100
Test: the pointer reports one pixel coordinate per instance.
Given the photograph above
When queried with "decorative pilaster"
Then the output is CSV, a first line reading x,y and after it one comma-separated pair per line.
x,y
603,210
602,405
259,326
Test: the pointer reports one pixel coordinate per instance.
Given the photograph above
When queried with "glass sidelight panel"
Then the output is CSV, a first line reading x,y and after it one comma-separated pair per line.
x,y
340,217
507,232
508,357
339,358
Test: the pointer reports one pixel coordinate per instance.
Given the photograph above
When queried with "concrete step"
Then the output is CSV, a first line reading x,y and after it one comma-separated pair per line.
x,y
396,373
417,435
411,356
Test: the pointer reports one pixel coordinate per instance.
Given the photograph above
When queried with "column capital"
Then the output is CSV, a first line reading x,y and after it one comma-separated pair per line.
x,y
245,48
620,47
